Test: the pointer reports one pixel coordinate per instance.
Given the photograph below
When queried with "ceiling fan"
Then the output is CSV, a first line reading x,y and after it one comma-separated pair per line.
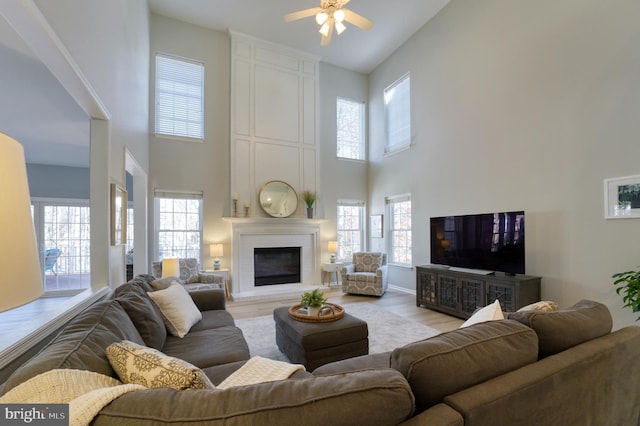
x,y
331,14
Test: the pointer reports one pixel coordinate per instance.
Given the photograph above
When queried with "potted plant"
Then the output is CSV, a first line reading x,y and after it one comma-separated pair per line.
x,y
309,198
313,300
630,281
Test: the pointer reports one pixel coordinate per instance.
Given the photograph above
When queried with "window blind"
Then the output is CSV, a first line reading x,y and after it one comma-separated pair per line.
x,y
179,97
397,101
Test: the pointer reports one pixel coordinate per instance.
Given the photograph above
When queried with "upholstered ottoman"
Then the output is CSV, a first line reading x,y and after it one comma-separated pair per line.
x,y
316,344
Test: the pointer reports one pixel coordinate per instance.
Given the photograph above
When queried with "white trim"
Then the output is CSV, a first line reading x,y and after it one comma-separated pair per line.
x,y
14,350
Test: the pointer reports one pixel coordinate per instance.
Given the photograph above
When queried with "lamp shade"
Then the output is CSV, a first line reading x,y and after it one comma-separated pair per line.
x,y
333,246
216,250
170,267
19,260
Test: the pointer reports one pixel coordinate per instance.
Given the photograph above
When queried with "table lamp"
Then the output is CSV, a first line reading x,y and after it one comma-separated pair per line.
x,y
170,267
19,258
333,248
216,251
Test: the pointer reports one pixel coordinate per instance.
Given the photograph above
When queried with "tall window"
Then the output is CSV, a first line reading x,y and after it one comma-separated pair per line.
x,y
63,233
397,104
399,212
350,228
179,97
350,127
178,224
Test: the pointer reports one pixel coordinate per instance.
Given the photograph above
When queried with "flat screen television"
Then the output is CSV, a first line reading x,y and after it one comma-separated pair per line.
x,y
489,242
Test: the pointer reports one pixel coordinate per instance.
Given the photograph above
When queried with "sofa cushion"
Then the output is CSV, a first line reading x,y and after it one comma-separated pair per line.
x,y
213,319
206,348
151,368
142,280
162,283
145,315
565,328
444,364
81,344
177,308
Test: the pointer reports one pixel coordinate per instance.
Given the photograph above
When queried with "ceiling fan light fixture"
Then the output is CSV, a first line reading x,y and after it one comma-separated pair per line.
x,y
340,27
324,29
321,17
339,15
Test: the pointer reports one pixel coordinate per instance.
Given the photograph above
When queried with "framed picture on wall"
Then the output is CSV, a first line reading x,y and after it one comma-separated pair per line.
x,y
622,197
376,226
118,216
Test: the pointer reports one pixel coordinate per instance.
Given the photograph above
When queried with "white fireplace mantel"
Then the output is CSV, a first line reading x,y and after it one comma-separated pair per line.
x,y
249,233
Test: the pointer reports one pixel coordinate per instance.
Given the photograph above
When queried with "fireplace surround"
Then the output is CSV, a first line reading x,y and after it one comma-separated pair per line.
x,y
262,232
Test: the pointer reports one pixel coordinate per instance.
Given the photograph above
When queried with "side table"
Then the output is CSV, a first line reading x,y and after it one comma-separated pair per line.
x,y
224,274
328,269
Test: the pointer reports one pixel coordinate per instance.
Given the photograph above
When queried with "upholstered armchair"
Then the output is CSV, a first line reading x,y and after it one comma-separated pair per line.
x,y
366,275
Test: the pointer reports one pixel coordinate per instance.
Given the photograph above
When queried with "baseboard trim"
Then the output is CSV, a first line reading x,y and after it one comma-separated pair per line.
x,y
402,289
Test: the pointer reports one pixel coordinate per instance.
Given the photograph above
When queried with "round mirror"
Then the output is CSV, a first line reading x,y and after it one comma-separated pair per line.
x,y
278,199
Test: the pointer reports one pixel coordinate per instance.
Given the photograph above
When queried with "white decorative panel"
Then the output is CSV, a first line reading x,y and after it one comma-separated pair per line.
x,y
309,111
273,126
242,97
242,49
277,104
280,59
242,172
309,165
277,162
309,67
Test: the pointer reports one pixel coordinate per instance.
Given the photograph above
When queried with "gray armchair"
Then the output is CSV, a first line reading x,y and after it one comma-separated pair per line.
x,y
366,275
191,276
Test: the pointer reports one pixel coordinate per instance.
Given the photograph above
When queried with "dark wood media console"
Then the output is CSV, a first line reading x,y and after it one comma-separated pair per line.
x,y
461,293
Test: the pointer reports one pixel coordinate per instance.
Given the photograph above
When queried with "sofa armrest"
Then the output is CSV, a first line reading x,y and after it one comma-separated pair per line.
x,y
365,398
210,299
438,415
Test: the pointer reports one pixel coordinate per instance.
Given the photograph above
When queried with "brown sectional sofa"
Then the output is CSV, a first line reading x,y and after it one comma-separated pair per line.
x,y
517,371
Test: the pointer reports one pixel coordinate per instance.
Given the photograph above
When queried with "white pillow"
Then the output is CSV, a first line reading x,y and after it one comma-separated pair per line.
x,y
490,312
177,308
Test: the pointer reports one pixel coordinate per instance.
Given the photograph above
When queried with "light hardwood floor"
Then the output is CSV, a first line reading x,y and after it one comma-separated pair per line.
x,y
402,304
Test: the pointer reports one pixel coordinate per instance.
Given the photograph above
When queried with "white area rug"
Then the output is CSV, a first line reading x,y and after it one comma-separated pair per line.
x,y
387,331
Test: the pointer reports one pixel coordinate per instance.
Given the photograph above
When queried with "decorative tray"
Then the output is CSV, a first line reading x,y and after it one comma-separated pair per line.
x,y
329,312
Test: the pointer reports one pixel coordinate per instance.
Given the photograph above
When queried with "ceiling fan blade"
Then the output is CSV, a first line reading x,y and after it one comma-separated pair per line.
x,y
326,40
344,2
357,20
294,16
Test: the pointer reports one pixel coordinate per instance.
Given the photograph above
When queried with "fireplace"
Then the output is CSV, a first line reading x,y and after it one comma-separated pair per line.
x,y
251,233
276,265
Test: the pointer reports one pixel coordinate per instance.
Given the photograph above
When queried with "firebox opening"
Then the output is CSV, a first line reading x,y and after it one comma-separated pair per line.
x,y
276,265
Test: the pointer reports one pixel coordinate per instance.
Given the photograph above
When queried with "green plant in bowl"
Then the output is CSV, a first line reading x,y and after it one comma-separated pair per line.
x,y
313,299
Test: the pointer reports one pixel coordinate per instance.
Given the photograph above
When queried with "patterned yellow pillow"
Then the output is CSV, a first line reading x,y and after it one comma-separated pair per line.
x,y
151,368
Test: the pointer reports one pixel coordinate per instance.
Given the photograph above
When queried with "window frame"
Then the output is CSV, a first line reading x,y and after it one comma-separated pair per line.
x,y
361,230
362,124
184,136
392,146
176,195
393,230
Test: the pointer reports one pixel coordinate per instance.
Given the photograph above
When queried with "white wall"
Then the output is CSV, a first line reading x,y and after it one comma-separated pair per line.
x,y
522,105
194,166
109,41
339,179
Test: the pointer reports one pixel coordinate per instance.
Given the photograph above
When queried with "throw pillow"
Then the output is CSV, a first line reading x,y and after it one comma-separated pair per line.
x,y
162,283
544,306
178,310
151,368
490,312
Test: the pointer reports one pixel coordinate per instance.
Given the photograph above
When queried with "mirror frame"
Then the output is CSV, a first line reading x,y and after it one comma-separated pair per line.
x,y
268,208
